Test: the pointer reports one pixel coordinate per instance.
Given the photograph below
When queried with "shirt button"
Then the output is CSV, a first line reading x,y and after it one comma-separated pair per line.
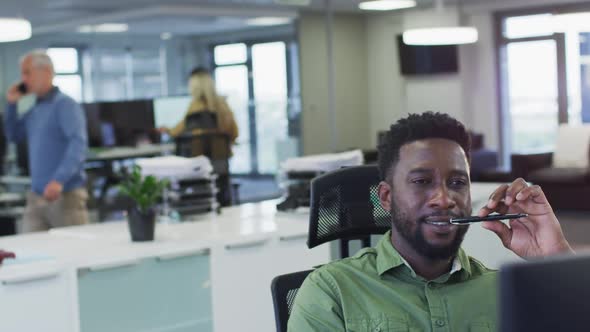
x,y
440,323
431,285
378,329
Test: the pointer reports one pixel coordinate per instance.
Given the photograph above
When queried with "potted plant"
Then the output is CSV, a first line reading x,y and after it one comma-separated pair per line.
x,y
145,192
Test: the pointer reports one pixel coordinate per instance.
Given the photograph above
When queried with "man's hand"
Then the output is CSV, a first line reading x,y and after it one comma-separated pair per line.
x,y
537,235
52,191
6,254
13,95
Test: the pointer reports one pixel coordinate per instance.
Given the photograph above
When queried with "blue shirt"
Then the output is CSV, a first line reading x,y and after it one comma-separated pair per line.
x,y
55,129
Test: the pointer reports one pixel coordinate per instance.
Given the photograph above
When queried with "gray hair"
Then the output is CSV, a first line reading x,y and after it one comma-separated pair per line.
x,y
39,58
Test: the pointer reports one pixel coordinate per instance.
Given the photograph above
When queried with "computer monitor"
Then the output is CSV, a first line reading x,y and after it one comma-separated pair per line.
x,y
127,123
545,295
93,124
169,111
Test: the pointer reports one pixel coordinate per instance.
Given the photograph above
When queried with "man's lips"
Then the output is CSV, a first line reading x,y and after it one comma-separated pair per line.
x,y
439,220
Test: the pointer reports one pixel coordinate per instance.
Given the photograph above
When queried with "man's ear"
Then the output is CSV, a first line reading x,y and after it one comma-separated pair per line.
x,y
385,192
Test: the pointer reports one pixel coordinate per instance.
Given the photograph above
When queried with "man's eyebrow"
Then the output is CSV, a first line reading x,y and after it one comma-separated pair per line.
x,y
460,173
420,170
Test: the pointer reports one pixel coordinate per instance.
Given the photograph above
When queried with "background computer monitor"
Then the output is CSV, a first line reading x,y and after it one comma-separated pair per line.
x,y
120,123
92,111
169,111
548,295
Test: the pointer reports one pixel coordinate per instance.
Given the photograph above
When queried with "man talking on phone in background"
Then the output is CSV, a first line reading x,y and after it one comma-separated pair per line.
x,y
55,131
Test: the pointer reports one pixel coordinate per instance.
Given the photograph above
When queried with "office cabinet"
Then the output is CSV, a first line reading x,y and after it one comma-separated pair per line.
x,y
242,271
161,293
35,299
241,289
291,246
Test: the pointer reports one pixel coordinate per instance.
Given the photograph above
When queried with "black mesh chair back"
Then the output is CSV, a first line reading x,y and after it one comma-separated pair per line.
x,y
345,206
284,289
215,146
201,120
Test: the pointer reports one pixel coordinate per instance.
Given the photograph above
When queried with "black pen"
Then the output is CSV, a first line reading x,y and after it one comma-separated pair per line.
x,y
491,217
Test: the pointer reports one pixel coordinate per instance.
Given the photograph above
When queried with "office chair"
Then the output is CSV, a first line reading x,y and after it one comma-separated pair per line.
x,y
344,206
201,120
284,289
201,138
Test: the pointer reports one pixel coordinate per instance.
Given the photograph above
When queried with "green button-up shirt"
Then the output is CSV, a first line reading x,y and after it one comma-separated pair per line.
x,y
376,290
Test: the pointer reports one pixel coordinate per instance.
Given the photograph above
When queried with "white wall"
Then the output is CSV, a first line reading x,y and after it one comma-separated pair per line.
x,y
468,95
480,95
387,95
351,79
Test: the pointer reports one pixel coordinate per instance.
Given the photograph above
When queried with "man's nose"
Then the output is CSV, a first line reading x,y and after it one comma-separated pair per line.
x,y
441,198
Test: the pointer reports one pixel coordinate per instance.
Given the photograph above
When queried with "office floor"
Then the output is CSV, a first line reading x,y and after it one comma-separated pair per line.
x,y
256,189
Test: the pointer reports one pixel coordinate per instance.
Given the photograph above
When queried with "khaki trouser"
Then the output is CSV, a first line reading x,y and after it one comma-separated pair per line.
x,y
69,209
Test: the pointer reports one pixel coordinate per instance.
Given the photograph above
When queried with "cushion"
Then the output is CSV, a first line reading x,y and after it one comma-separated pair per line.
x,y
571,148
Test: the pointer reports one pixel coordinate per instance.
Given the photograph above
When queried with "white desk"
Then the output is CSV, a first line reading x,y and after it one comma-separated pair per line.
x,y
122,152
195,275
16,180
12,204
213,273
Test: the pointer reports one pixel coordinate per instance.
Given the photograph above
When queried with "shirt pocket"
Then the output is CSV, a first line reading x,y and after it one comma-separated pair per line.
x,y
380,324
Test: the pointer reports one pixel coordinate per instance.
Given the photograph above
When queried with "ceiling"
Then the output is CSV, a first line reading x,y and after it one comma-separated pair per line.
x,y
179,17
152,16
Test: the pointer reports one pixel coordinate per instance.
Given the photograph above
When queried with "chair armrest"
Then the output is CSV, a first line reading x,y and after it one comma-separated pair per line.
x,y
524,164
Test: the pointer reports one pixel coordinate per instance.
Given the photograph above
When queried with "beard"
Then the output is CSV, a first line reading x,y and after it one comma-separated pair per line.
x,y
416,239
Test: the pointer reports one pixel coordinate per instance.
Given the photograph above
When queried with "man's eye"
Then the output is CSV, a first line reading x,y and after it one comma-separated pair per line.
x,y
458,182
420,181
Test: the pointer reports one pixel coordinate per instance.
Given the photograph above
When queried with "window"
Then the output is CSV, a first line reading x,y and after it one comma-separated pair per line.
x,y
231,79
528,26
269,69
532,91
230,54
124,73
544,77
261,88
67,71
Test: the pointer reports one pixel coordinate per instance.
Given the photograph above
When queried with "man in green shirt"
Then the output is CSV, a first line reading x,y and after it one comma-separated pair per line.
x,y
417,278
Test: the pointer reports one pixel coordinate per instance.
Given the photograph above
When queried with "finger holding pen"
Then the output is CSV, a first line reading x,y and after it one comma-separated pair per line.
x,y
539,234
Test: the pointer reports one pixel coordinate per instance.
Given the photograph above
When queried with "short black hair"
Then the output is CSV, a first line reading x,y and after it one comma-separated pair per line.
x,y
418,127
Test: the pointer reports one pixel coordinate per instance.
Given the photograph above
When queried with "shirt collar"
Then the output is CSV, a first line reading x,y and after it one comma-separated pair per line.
x,y
388,258
49,96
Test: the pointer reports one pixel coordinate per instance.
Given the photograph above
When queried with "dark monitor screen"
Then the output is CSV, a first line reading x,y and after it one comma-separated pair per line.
x,y
92,112
417,60
549,295
121,123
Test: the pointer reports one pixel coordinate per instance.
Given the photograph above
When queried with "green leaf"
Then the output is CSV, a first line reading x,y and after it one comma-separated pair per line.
x,y
145,191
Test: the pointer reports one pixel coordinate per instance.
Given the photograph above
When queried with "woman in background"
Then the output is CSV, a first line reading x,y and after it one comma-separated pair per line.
x,y
205,98
215,143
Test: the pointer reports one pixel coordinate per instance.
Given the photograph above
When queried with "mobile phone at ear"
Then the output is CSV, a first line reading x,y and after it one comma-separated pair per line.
x,y
22,88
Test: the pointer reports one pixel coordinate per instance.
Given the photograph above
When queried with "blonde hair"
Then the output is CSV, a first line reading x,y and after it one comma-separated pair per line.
x,y
202,88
